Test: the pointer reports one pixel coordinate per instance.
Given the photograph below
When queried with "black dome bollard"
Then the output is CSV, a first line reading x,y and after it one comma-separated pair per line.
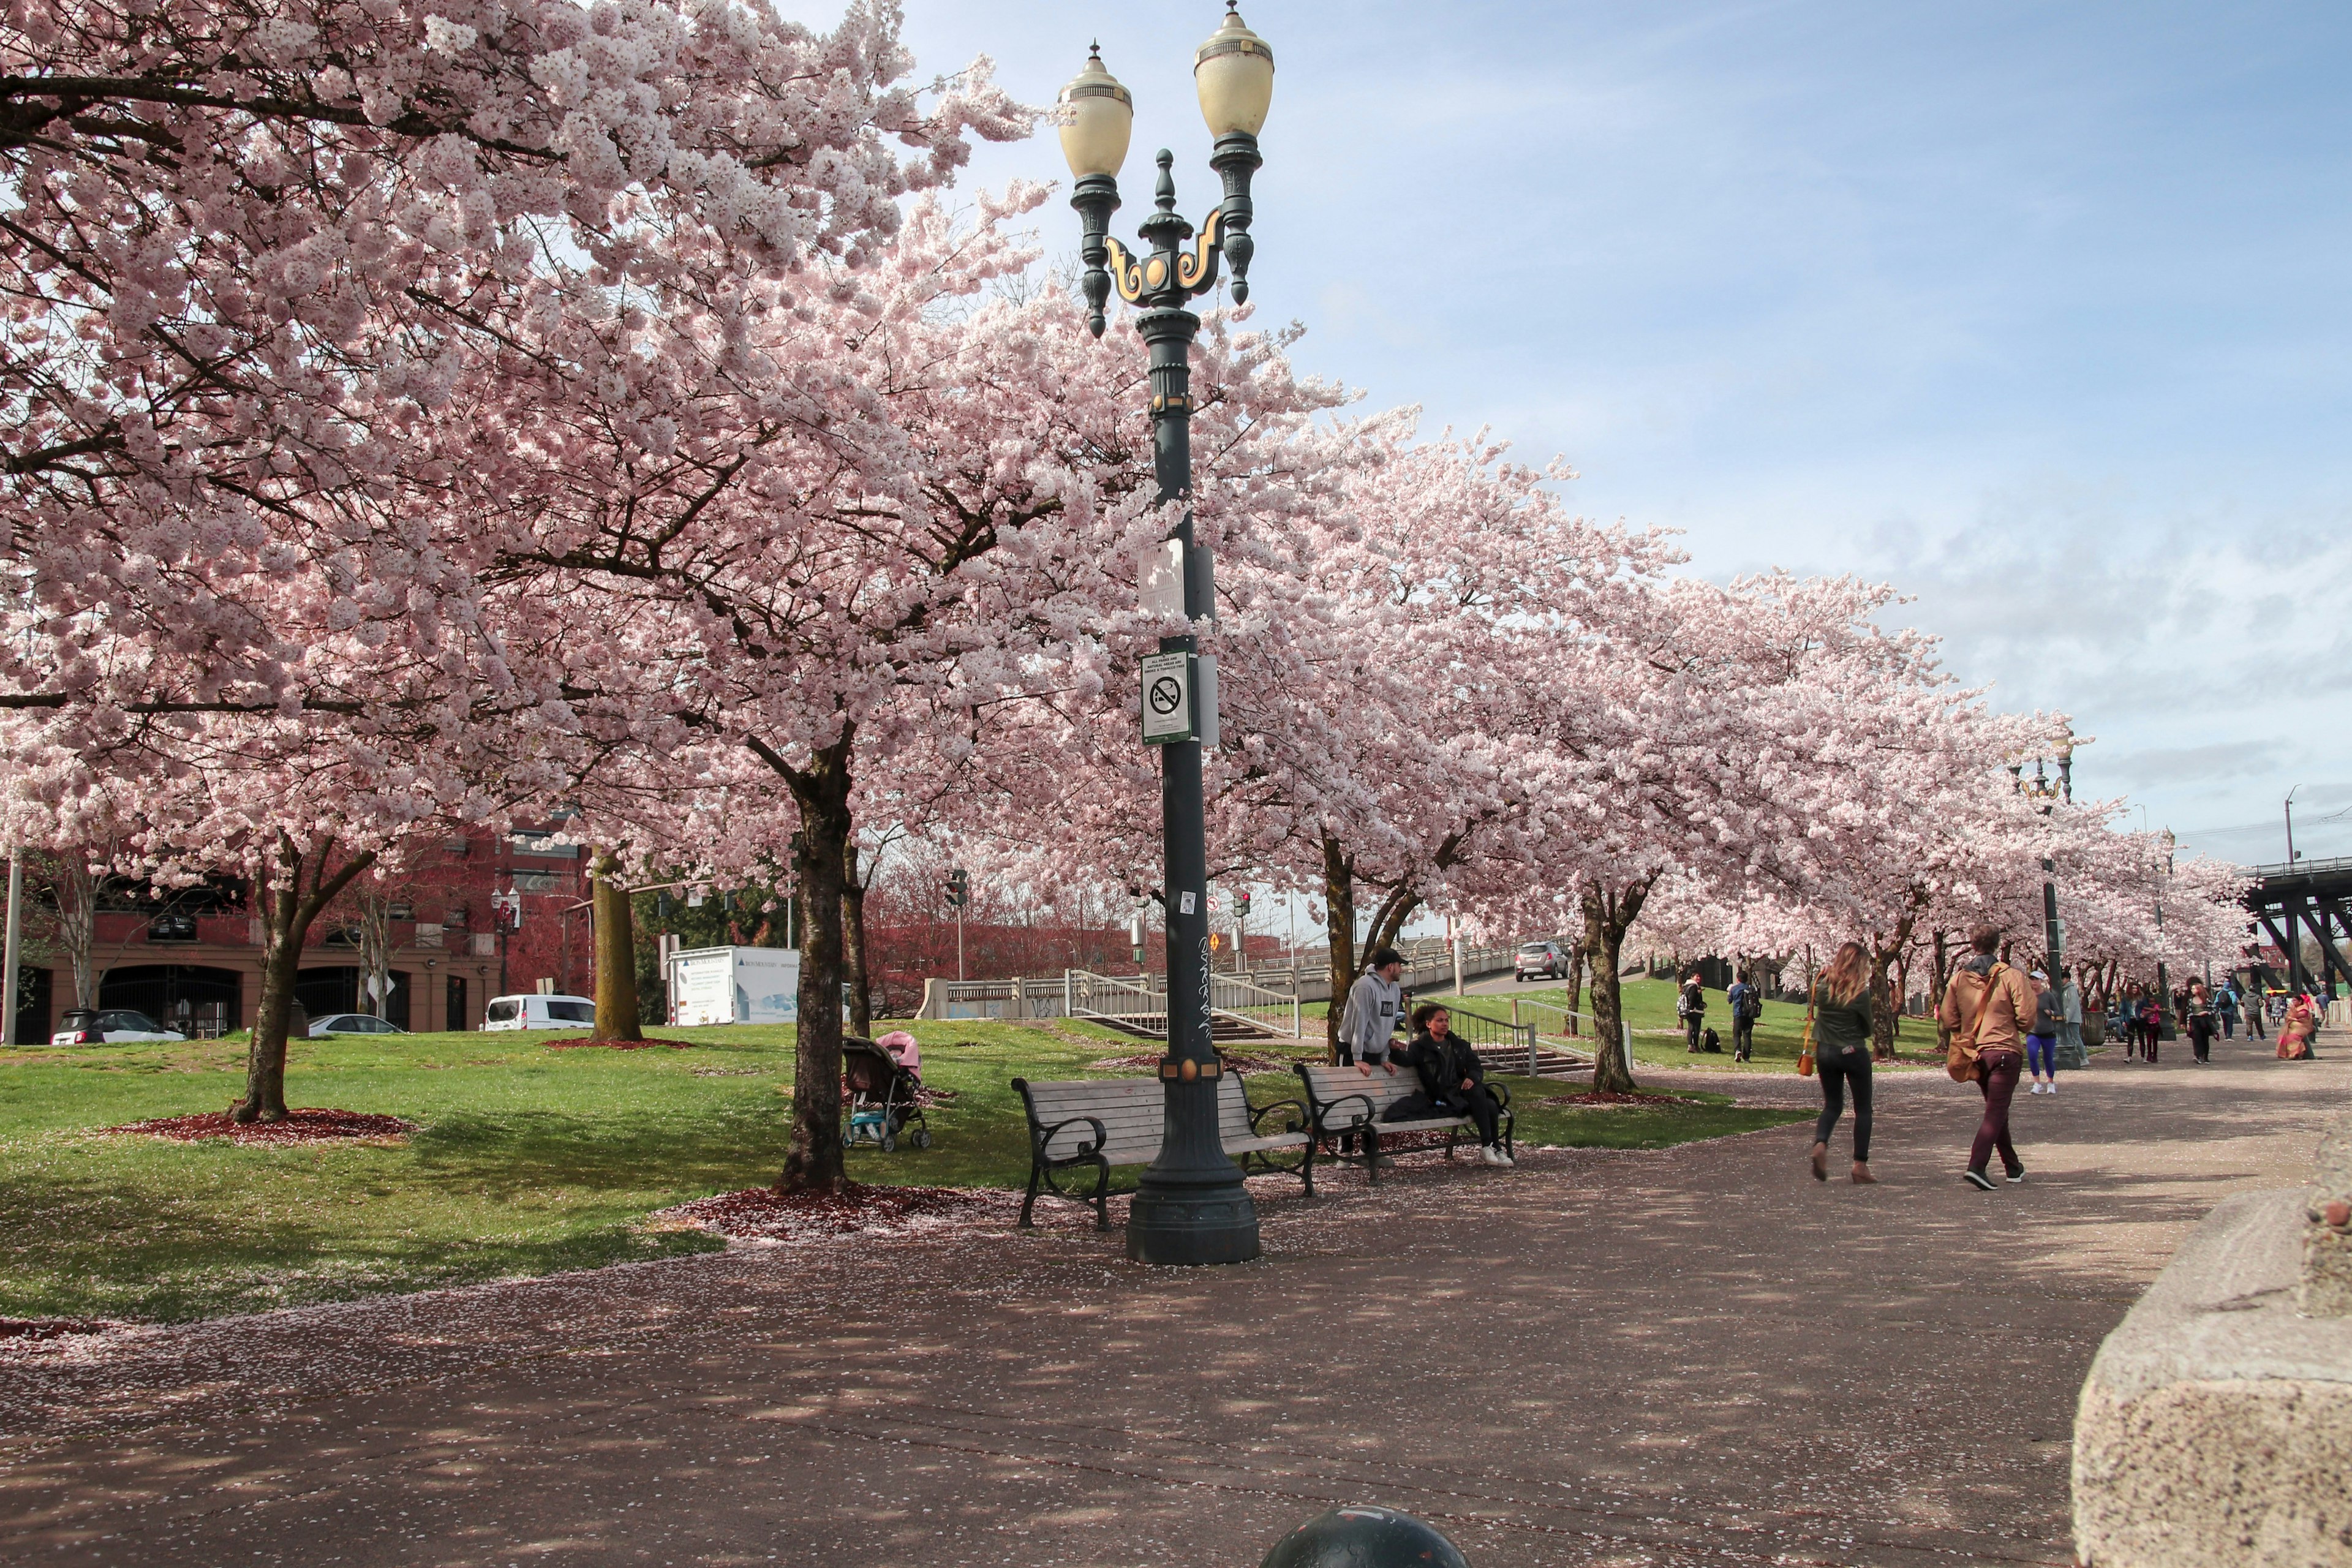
x,y
1363,1536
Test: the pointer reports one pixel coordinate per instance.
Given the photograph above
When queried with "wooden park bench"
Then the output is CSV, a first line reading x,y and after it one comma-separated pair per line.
x,y
1342,1102
1093,1123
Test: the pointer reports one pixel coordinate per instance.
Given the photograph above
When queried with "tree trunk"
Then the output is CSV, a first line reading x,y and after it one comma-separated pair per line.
x,y
853,947
1340,931
813,1162
287,912
1388,923
1575,985
615,921
1882,1023
1608,916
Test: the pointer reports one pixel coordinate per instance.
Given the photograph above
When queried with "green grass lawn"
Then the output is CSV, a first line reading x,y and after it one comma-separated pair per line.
x,y
525,1161
1658,1033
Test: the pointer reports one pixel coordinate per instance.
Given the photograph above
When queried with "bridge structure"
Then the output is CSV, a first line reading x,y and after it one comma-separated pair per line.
x,y
2310,897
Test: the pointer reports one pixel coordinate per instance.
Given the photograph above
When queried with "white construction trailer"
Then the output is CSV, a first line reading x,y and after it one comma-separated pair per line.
x,y
735,985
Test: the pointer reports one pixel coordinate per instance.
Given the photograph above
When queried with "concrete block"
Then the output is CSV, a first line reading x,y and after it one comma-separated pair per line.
x,y
2327,1233
2216,1424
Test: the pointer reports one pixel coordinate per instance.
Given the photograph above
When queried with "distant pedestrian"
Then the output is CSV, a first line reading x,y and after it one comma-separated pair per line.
x,y
2041,1044
1691,1008
2252,1008
1747,1007
1844,1022
2225,1008
2296,1032
2070,1023
2151,1026
2200,1024
1989,1007
1451,1076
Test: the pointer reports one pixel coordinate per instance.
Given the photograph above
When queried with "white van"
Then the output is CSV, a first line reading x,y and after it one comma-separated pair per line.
x,y
536,1012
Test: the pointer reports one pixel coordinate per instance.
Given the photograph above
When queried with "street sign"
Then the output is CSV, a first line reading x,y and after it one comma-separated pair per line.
x,y
1167,698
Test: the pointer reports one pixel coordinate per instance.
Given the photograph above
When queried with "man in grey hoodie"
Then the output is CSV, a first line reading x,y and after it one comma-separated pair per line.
x,y
1375,1008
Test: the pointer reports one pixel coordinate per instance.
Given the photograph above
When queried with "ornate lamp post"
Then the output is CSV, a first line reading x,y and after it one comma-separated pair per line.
x,y
1191,1206
2051,791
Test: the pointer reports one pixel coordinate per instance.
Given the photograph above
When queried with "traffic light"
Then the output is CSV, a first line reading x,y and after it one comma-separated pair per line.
x,y
958,888
1135,936
1241,904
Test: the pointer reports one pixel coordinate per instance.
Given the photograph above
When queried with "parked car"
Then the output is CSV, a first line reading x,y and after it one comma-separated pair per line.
x,y
537,1012
351,1023
109,1026
1545,958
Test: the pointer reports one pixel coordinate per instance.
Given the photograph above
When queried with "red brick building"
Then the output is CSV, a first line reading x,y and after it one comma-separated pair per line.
x,y
196,964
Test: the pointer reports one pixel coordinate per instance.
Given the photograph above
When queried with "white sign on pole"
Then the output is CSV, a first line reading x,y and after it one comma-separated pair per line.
x,y
1167,698
1160,579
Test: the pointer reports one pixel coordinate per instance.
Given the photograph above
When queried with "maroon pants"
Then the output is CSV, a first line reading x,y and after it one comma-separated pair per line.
x,y
1999,1082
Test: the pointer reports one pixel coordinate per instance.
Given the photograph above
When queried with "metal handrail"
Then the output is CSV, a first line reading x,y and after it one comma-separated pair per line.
x,y
1570,1017
1082,989
2302,868
1237,996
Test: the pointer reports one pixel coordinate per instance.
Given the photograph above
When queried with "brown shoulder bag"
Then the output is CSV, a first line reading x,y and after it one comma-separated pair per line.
x,y
1962,1063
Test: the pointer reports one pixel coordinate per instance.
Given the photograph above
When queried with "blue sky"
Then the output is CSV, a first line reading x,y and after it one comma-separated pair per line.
x,y
2039,312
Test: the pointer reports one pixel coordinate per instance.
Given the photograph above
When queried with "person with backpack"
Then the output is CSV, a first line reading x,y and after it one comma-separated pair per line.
x,y
1747,1007
1691,1008
1843,1020
1989,1007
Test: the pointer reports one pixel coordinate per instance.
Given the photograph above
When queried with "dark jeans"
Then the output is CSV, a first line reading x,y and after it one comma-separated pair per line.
x,y
2254,1030
1481,1108
1839,1072
2229,1025
1743,1039
1999,1082
1692,1026
2201,1039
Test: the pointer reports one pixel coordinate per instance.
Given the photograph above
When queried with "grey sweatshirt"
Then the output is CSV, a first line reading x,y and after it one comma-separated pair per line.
x,y
1373,1010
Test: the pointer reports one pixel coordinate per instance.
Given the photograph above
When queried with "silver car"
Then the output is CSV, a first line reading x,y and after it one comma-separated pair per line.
x,y
351,1023
108,1026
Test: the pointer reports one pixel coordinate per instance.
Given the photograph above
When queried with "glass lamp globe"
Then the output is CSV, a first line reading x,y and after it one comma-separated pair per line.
x,y
1235,73
1100,117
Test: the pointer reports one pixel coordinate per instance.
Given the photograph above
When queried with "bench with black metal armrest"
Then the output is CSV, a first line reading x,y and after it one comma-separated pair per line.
x,y
1093,1123
1344,1102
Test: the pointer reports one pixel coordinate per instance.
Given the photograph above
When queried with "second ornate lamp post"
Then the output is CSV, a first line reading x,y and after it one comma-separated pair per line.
x,y
1191,1206
2040,788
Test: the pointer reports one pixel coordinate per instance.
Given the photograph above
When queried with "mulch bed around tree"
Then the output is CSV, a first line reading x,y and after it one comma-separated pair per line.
x,y
300,1127
766,1214
618,1045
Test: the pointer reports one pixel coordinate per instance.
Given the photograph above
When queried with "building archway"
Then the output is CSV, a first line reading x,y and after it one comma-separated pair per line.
x,y
190,998
336,988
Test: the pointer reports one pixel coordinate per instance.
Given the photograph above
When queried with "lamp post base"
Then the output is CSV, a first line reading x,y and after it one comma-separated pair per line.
x,y
1192,1223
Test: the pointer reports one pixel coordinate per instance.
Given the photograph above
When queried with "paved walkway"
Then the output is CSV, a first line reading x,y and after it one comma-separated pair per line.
x,y
1693,1356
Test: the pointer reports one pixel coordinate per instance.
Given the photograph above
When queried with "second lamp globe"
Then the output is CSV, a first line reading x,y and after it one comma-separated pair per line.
x,y
1234,73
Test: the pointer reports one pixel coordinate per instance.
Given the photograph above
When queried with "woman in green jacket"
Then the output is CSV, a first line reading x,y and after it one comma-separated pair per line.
x,y
1841,1027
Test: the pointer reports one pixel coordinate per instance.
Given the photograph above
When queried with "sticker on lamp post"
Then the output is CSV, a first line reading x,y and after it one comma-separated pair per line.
x,y
1167,698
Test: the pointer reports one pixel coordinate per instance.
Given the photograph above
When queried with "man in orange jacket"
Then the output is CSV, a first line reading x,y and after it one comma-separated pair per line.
x,y
1989,1007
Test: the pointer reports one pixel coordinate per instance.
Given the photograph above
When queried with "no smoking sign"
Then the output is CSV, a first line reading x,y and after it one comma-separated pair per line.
x,y
1167,698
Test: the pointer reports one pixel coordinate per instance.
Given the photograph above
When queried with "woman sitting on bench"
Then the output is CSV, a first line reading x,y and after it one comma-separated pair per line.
x,y
1453,1076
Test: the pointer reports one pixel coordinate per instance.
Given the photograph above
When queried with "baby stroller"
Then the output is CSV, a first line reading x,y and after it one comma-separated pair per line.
x,y
879,1098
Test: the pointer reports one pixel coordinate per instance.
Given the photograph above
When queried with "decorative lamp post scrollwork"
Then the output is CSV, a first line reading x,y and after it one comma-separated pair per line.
x,y
1190,1205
